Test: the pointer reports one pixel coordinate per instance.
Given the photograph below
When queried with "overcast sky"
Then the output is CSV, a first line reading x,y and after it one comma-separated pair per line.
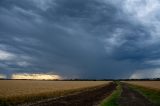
x,y
80,38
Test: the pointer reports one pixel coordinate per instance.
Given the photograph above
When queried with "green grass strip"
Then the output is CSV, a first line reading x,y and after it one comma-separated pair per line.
x,y
151,94
112,99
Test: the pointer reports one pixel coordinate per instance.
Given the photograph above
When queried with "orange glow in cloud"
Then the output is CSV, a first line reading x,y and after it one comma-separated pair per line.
x,y
35,76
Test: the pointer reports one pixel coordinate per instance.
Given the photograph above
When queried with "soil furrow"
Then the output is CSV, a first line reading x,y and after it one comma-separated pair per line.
x,y
86,98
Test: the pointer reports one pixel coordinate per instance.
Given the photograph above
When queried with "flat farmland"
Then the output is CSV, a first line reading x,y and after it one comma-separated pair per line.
x,y
25,92
147,84
79,93
13,88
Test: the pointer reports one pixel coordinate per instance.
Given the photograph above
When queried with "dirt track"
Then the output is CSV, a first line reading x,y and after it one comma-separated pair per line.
x,y
86,98
131,97
93,97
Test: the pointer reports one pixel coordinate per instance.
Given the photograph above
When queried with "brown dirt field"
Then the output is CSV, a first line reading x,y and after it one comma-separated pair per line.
x,y
86,98
130,97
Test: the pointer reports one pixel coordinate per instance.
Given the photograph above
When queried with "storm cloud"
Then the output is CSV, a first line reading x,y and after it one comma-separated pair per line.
x,y
80,38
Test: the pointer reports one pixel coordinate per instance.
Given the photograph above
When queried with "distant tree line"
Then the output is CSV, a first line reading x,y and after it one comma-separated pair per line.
x,y
145,79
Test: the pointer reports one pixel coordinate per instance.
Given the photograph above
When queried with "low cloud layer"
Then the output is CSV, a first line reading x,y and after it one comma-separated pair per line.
x,y
80,38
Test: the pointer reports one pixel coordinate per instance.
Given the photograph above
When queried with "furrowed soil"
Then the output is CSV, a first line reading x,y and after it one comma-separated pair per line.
x,y
86,98
130,97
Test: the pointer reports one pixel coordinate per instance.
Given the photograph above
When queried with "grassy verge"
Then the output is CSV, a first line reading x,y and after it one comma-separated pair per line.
x,y
112,99
14,101
151,94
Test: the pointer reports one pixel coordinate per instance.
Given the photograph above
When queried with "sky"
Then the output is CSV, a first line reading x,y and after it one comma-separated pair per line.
x,y
98,39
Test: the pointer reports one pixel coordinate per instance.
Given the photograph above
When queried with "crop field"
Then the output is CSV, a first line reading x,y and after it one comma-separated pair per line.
x,y
148,84
13,92
10,88
79,93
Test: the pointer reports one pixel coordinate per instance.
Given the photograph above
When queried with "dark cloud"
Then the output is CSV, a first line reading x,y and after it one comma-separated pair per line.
x,y
84,39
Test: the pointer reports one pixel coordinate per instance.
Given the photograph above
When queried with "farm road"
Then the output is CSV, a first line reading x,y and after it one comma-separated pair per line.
x,y
131,97
85,98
